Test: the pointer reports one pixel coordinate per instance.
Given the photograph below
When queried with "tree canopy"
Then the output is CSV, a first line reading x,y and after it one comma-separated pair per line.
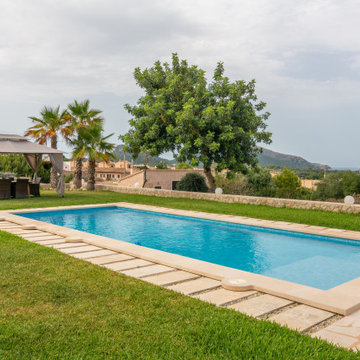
x,y
199,121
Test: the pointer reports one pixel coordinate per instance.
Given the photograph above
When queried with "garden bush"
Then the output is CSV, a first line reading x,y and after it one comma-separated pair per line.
x,y
192,182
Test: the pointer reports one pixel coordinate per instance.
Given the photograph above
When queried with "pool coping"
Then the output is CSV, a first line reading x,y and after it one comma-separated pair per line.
x,y
340,299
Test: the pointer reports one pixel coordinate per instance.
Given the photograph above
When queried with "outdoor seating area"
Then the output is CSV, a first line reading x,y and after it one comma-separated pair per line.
x,y
19,188
12,187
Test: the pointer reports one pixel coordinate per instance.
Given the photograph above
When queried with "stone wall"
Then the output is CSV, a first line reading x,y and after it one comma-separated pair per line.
x,y
241,199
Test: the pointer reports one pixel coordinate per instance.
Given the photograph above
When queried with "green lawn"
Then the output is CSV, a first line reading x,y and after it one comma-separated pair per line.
x,y
311,217
53,306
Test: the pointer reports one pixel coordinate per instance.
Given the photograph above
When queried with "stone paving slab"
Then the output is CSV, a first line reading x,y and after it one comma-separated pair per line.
x,y
80,249
68,245
51,237
194,286
147,271
25,232
33,235
301,317
344,332
336,338
44,238
36,238
101,260
51,242
260,305
9,226
222,296
128,264
171,278
93,254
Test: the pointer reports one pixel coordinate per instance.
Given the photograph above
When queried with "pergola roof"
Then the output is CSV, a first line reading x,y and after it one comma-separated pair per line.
x,y
16,144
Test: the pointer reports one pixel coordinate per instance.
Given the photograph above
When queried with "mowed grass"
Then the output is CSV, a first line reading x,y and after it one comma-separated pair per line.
x,y
53,306
310,217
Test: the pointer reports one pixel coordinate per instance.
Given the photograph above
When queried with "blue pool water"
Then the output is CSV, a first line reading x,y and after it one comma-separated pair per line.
x,y
317,261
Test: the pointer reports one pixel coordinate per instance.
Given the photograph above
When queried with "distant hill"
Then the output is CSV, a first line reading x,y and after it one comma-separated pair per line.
x,y
267,158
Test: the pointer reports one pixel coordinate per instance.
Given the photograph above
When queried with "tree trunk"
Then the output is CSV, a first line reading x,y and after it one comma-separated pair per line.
x,y
53,173
78,173
210,179
91,175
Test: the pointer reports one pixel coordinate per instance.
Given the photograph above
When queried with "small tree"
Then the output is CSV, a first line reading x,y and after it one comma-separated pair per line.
x,y
183,166
81,116
260,181
287,183
218,122
161,165
94,145
48,126
192,182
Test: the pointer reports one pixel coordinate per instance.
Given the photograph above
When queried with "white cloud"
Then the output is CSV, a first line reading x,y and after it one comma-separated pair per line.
x,y
304,55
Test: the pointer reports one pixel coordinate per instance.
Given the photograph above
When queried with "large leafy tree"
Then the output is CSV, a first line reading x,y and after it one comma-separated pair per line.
x,y
218,122
82,116
91,143
48,126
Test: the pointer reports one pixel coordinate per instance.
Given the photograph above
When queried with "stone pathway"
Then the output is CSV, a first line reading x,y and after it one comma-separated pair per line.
x,y
339,330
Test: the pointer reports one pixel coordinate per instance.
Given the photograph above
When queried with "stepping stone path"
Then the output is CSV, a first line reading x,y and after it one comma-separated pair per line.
x,y
336,329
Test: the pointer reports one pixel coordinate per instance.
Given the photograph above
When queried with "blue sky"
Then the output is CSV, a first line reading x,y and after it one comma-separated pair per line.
x,y
305,57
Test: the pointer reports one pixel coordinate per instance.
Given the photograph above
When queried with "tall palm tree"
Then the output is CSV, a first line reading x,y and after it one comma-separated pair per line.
x,y
81,117
92,144
48,126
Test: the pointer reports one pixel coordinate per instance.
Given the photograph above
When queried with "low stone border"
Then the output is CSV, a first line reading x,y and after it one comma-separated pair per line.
x,y
240,199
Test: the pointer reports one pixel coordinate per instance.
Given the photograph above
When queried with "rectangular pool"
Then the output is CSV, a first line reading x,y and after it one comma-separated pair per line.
x,y
318,261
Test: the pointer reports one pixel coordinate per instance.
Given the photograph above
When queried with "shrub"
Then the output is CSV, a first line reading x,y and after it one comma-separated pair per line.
x,y
192,182
183,165
69,177
235,184
260,182
287,183
161,165
339,184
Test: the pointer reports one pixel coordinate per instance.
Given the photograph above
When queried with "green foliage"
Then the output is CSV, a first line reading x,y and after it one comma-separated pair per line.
x,y
17,165
91,143
256,181
337,185
287,183
44,171
235,184
183,166
260,181
82,117
14,164
218,122
69,177
192,182
161,165
51,122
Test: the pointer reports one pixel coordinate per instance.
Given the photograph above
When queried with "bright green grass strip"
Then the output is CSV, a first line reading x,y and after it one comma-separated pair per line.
x,y
53,306
310,217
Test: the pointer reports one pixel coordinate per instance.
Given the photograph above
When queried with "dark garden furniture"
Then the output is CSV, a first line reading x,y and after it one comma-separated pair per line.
x,y
20,188
5,189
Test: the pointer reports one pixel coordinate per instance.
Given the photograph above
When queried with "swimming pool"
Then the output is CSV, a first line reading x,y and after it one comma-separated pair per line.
x,y
318,261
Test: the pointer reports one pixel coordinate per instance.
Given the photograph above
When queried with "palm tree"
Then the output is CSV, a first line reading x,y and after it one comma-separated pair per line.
x,y
81,117
92,144
51,122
